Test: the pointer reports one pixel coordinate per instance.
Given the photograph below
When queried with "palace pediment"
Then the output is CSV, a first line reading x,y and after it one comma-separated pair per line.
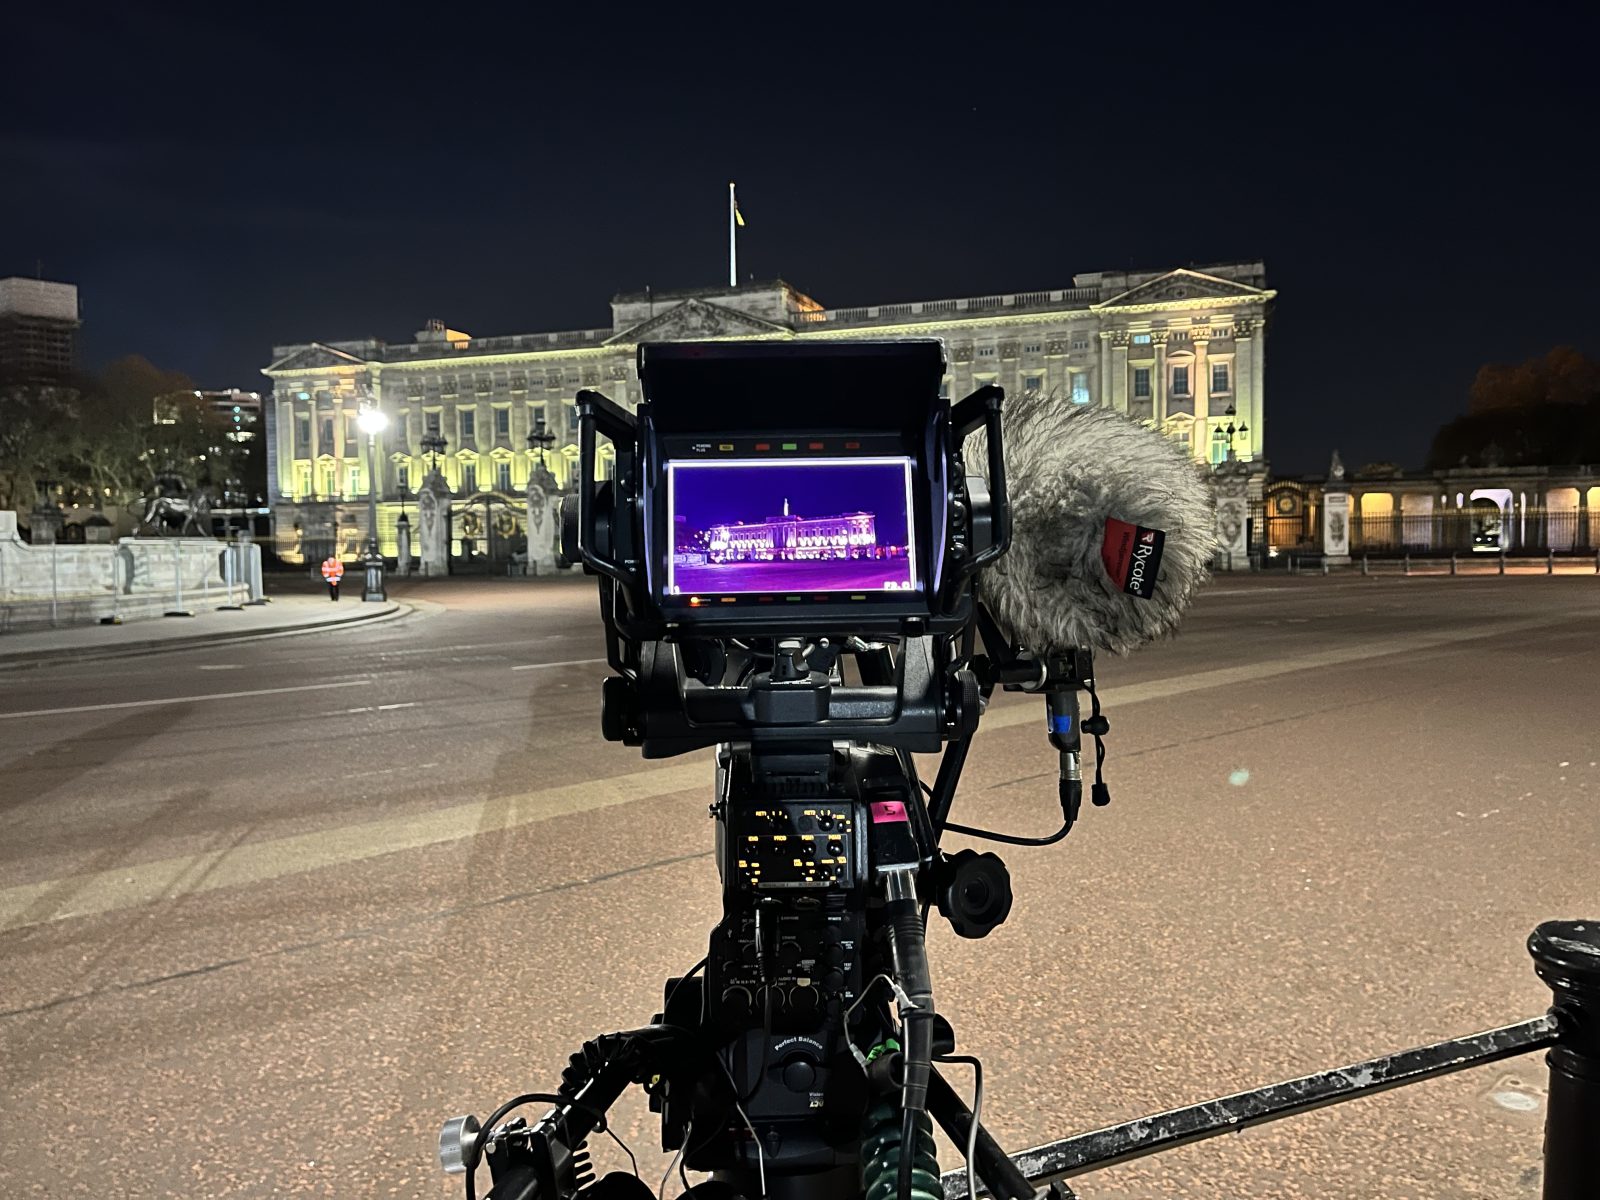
x,y
315,357
696,319
1181,285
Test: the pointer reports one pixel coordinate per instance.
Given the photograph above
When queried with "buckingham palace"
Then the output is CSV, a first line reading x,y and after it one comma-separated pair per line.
x,y
1181,349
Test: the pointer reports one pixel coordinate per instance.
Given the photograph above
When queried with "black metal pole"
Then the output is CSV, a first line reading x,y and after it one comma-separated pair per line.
x,y
1229,1114
997,1172
1567,956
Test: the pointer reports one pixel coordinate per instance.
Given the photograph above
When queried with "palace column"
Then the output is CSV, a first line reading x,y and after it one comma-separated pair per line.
x,y
1201,390
1114,361
1247,387
1158,385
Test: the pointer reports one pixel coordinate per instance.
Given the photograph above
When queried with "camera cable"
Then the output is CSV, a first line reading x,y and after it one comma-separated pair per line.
x,y
977,1115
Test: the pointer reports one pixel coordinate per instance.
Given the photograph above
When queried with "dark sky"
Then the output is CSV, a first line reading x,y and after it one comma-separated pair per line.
x,y
1423,183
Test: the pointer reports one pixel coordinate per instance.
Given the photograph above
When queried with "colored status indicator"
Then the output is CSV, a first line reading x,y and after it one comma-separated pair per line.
x,y
815,445
852,445
791,445
763,445
725,446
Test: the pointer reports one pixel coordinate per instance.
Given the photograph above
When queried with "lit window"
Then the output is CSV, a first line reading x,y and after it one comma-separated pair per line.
x,y
355,482
1180,381
1080,388
1141,339
1219,377
1141,382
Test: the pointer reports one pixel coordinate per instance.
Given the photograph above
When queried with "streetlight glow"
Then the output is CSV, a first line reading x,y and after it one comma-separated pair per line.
x,y
372,420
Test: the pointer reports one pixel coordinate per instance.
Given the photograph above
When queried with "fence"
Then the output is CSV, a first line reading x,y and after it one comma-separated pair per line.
x,y
135,578
1480,530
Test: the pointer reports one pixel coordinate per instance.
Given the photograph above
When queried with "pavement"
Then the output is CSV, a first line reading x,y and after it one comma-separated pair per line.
x,y
284,614
271,910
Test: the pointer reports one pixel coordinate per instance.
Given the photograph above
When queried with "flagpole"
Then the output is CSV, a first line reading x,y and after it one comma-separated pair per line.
x,y
733,246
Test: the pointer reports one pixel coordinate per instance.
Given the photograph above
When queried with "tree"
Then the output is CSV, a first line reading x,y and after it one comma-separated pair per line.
x,y
1543,412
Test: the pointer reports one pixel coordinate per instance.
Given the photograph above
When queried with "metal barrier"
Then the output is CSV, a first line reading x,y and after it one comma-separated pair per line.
x,y
1566,955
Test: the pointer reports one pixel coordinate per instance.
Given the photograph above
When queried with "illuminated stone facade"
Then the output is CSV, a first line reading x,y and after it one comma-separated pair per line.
x,y
1174,348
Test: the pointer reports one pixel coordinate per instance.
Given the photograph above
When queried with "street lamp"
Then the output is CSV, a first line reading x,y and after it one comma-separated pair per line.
x,y
1227,434
373,421
542,439
433,446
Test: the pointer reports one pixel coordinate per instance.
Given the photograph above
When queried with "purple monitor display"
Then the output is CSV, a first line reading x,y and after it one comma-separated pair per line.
x,y
815,525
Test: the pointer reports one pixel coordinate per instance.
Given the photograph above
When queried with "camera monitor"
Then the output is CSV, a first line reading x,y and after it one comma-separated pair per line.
x,y
815,526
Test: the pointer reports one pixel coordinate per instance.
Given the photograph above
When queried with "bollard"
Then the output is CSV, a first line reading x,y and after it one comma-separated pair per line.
x,y
1408,563
1364,570
1452,562
1566,954
1549,562
177,609
1324,566
1502,560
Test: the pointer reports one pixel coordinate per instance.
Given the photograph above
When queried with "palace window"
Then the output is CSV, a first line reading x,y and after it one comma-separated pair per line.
x,y
502,422
469,426
355,482
1080,388
1219,377
1079,342
469,477
430,423
1032,383
325,484
985,351
1180,381
1141,383
325,435
302,436
1141,339
350,431
1033,348
402,476
502,476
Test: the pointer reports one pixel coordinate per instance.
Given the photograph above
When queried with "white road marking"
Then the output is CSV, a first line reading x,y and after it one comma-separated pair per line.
x,y
571,662
167,879
278,691
382,707
222,667
144,883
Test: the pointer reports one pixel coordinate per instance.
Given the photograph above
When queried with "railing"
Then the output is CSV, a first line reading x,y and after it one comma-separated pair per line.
x,y
1480,531
930,309
1566,955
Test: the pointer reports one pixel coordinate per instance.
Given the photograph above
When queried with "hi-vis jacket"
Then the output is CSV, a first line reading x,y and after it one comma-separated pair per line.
x,y
332,569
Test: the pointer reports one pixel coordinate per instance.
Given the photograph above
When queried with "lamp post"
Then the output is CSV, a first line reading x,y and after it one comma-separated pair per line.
x,y
433,446
373,421
541,439
1228,433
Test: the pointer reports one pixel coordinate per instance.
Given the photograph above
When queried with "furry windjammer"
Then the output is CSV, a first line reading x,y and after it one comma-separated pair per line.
x,y
1069,468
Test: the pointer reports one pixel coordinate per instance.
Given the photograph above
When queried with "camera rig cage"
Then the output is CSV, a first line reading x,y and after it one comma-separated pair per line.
x,y
818,650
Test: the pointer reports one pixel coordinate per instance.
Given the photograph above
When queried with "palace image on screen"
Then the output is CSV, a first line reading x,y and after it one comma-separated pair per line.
x,y
811,525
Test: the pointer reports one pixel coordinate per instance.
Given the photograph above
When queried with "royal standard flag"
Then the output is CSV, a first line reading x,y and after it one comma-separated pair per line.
x,y
737,215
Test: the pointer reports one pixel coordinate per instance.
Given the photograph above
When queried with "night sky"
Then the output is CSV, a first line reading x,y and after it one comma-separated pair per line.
x,y
1422,184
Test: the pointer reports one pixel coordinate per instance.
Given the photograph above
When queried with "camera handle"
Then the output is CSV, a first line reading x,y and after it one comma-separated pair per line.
x,y
597,412
981,410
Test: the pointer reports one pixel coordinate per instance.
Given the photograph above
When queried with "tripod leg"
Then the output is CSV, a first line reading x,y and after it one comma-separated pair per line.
x,y
999,1174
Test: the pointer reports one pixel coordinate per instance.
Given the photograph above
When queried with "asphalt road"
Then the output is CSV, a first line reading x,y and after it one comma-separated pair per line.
x,y
270,911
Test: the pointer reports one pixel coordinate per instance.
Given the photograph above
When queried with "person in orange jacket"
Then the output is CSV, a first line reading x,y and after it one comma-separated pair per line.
x,y
332,572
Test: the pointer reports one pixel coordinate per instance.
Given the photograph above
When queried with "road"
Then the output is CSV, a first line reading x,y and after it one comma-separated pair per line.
x,y
270,911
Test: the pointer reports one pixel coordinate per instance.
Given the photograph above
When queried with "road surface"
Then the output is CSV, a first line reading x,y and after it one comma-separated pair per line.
x,y
271,911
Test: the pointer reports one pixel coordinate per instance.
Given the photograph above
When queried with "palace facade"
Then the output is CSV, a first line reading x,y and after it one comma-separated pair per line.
x,y
1181,350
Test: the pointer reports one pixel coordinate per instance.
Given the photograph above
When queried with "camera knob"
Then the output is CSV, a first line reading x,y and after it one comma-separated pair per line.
x,y
737,1003
455,1141
804,1001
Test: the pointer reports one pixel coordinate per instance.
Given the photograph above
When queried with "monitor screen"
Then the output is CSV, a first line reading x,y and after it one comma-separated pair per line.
x,y
744,526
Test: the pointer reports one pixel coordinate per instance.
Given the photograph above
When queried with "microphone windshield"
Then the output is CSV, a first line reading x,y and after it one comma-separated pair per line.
x,y
1069,470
